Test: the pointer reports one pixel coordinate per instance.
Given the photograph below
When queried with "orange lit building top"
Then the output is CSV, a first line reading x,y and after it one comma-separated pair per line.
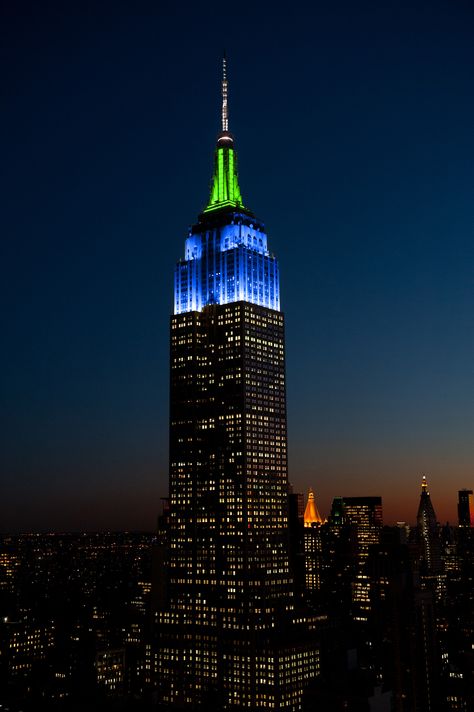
x,y
311,514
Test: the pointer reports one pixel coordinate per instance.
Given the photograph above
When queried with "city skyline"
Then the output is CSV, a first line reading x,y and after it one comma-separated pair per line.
x,y
374,244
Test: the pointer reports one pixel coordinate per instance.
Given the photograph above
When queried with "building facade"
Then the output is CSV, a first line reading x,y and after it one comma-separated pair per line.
x,y
230,634
312,544
465,508
428,533
364,514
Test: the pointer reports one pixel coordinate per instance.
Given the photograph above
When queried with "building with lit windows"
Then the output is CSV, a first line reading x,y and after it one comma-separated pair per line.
x,y
364,514
24,647
9,564
312,544
110,670
428,532
230,634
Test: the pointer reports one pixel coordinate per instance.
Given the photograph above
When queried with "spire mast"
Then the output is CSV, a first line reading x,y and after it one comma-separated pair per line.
x,y
225,189
225,108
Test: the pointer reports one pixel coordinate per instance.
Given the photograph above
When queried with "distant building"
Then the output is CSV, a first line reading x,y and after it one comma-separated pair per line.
x,y
365,516
311,513
9,564
466,508
312,544
110,670
23,646
428,533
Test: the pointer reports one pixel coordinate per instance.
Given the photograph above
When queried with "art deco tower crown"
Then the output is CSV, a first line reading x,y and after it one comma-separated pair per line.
x,y
226,254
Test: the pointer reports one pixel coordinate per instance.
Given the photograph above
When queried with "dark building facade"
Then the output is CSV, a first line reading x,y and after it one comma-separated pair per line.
x,y
364,515
230,634
465,508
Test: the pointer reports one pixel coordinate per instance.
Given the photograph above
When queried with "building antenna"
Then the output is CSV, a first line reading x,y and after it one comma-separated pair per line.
x,y
225,108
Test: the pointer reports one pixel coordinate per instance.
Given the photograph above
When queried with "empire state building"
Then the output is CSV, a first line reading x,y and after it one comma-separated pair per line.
x,y
230,635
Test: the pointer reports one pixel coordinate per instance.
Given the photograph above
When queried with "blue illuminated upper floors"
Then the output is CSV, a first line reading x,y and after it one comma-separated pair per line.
x,y
226,263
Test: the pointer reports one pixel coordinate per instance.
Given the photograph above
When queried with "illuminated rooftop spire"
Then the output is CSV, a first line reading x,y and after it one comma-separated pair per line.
x,y
311,514
225,108
225,189
424,485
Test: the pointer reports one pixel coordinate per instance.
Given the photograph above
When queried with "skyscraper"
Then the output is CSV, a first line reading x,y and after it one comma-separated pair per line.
x,y
428,532
365,515
229,632
312,544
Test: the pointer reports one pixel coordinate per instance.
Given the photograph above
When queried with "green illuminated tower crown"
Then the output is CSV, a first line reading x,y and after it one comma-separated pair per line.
x,y
225,189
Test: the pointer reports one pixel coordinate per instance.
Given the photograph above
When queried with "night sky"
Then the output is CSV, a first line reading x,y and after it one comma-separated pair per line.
x,y
354,130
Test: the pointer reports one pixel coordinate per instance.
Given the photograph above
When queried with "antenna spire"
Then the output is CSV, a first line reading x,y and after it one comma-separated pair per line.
x,y
225,108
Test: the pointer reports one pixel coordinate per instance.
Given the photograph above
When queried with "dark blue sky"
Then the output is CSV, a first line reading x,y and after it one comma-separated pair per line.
x,y
354,128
